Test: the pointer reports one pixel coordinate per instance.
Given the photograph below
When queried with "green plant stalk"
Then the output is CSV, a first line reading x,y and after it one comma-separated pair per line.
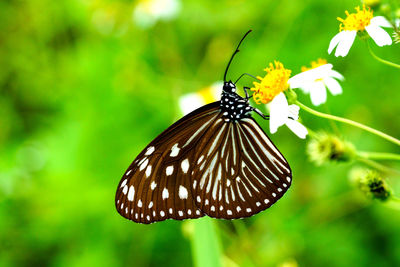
x,y
350,122
377,166
378,155
206,246
387,62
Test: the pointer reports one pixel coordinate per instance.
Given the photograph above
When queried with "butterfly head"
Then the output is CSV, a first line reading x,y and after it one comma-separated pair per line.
x,y
229,87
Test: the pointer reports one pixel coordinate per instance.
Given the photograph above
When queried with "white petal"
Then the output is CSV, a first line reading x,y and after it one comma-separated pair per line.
x,y
299,129
278,112
293,112
307,88
304,78
346,43
379,35
335,74
333,86
380,21
335,41
190,102
318,94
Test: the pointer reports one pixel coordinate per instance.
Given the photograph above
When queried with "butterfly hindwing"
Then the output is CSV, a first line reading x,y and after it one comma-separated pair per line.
x,y
242,172
157,185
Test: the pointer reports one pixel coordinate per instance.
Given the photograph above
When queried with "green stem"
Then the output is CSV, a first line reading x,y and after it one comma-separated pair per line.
x,y
379,155
206,245
384,61
378,166
350,122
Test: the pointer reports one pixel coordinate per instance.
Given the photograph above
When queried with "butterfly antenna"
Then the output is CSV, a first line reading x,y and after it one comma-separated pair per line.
x,y
234,53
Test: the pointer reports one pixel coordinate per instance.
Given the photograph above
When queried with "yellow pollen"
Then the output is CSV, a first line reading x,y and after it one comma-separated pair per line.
x,y
315,64
356,21
274,82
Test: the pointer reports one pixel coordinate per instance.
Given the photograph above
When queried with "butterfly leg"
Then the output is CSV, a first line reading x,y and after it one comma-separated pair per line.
x,y
265,117
245,88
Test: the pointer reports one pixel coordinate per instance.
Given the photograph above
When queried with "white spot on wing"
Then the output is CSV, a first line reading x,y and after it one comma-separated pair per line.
x,y
180,213
153,185
174,150
185,165
124,183
148,171
248,210
258,204
183,193
150,150
131,193
162,213
169,170
125,189
150,204
144,164
165,193
229,212
140,204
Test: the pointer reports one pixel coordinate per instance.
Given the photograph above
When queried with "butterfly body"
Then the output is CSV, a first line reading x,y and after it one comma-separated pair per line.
x,y
215,161
233,106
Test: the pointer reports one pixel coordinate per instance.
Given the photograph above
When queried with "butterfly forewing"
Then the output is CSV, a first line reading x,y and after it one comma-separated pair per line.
x,y
241,172
204,164
157,185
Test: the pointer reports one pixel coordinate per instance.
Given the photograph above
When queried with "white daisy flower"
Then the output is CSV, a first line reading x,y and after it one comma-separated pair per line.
x,y
281,113
270,90
322,77
192,101
396,33
148,12
361,21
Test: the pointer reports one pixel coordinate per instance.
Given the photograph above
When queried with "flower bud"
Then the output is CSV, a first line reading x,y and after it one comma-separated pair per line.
x,y
326,147
371,183
372,3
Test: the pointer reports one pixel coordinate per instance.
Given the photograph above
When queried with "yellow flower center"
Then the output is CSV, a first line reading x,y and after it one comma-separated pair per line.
x,y
315,64
356,21
274,82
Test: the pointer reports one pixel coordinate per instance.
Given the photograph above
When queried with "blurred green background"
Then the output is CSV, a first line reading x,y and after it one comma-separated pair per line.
x,y
86,85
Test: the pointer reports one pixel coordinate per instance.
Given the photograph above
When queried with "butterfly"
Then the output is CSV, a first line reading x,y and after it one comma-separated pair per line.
x,y
215,161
